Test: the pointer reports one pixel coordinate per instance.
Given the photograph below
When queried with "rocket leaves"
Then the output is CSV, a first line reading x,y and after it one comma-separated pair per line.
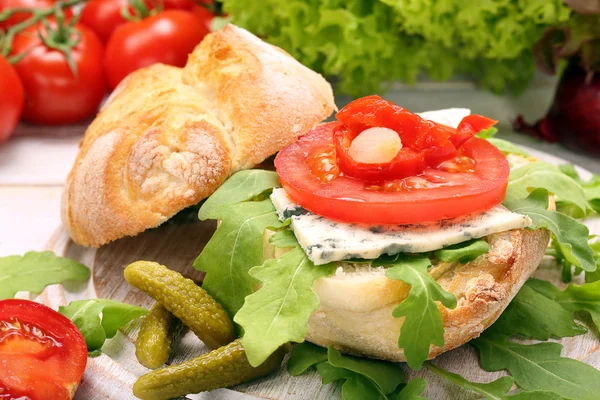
x,y
34,271
496,390
423,323
236,246
539,367
571,236
278,312
362,378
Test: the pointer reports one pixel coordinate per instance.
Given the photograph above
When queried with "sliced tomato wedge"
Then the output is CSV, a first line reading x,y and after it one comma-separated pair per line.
x,y
42,354
474,179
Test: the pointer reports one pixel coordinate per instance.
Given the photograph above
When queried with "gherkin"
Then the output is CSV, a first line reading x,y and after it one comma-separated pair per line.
x,y
153,345
224,367
185,300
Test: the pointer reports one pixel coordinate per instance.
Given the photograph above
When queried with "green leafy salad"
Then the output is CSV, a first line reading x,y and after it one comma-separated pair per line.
x,y
271,299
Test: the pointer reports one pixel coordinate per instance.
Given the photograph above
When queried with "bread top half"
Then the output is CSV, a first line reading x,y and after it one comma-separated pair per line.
x,y
168,137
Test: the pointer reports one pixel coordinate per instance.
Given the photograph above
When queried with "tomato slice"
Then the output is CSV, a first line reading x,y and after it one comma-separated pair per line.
x,y
42,354
474,180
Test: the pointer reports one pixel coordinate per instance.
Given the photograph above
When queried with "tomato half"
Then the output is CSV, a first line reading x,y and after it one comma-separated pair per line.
x,y
42,354
53,94
11,99
473,180
167,37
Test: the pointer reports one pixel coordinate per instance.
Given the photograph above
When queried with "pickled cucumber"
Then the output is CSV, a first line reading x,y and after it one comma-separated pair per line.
x,y
153,345
224,367
185,300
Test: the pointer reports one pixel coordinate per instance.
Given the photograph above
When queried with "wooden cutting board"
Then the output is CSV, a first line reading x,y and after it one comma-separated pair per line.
x,y
112,374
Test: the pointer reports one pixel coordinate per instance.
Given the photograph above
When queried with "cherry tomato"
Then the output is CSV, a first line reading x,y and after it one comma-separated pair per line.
x,y
167,37
103,16
42,354
11,99
22,16
473,180
53,94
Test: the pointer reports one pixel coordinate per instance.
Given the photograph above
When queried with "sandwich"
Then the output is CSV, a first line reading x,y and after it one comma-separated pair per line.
x,y
384,234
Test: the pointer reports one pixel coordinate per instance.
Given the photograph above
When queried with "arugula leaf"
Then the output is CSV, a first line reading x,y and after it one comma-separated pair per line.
x,y
571,236
591,188
278,312
411,391
85,314
284,239
236,247
539,367
34,271
507,147
496,390
364,378
487,133
540,174
537,316
463,252
387,376
304,356
575,298
594,276
423,323
240,187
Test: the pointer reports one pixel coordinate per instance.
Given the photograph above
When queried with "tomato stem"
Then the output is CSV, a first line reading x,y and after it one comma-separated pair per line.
x,y
37,15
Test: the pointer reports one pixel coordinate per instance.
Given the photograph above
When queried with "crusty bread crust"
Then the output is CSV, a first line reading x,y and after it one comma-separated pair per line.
x,y
356,304
168,137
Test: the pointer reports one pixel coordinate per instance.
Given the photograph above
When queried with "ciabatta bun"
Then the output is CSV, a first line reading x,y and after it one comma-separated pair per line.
x,y
356,304
168,137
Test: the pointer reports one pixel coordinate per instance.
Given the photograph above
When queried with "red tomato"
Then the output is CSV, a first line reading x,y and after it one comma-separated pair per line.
x,y
11,99
42,353
167,38
103,16
53,95
474,180
179,4
21,16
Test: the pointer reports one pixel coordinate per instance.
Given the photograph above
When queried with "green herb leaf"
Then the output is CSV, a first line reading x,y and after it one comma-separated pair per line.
x,y
496,390
487,133
355,386
575,298
278,312
387,376
591,188
537,316
240,187
85,314
411,391
34,271
423,323
507,147
539,367
304,356
572,236
540,174
236,246
463,252
284,239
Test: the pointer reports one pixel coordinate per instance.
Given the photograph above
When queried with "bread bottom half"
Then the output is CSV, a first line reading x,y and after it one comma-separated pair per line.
x,y
356,304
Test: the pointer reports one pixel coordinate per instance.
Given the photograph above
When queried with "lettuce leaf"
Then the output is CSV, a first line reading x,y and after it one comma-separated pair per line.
x,y
359,42
34,271
423,323
278,312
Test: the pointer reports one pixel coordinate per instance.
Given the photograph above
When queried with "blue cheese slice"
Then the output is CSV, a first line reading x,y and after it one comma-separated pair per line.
x,y
324,240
